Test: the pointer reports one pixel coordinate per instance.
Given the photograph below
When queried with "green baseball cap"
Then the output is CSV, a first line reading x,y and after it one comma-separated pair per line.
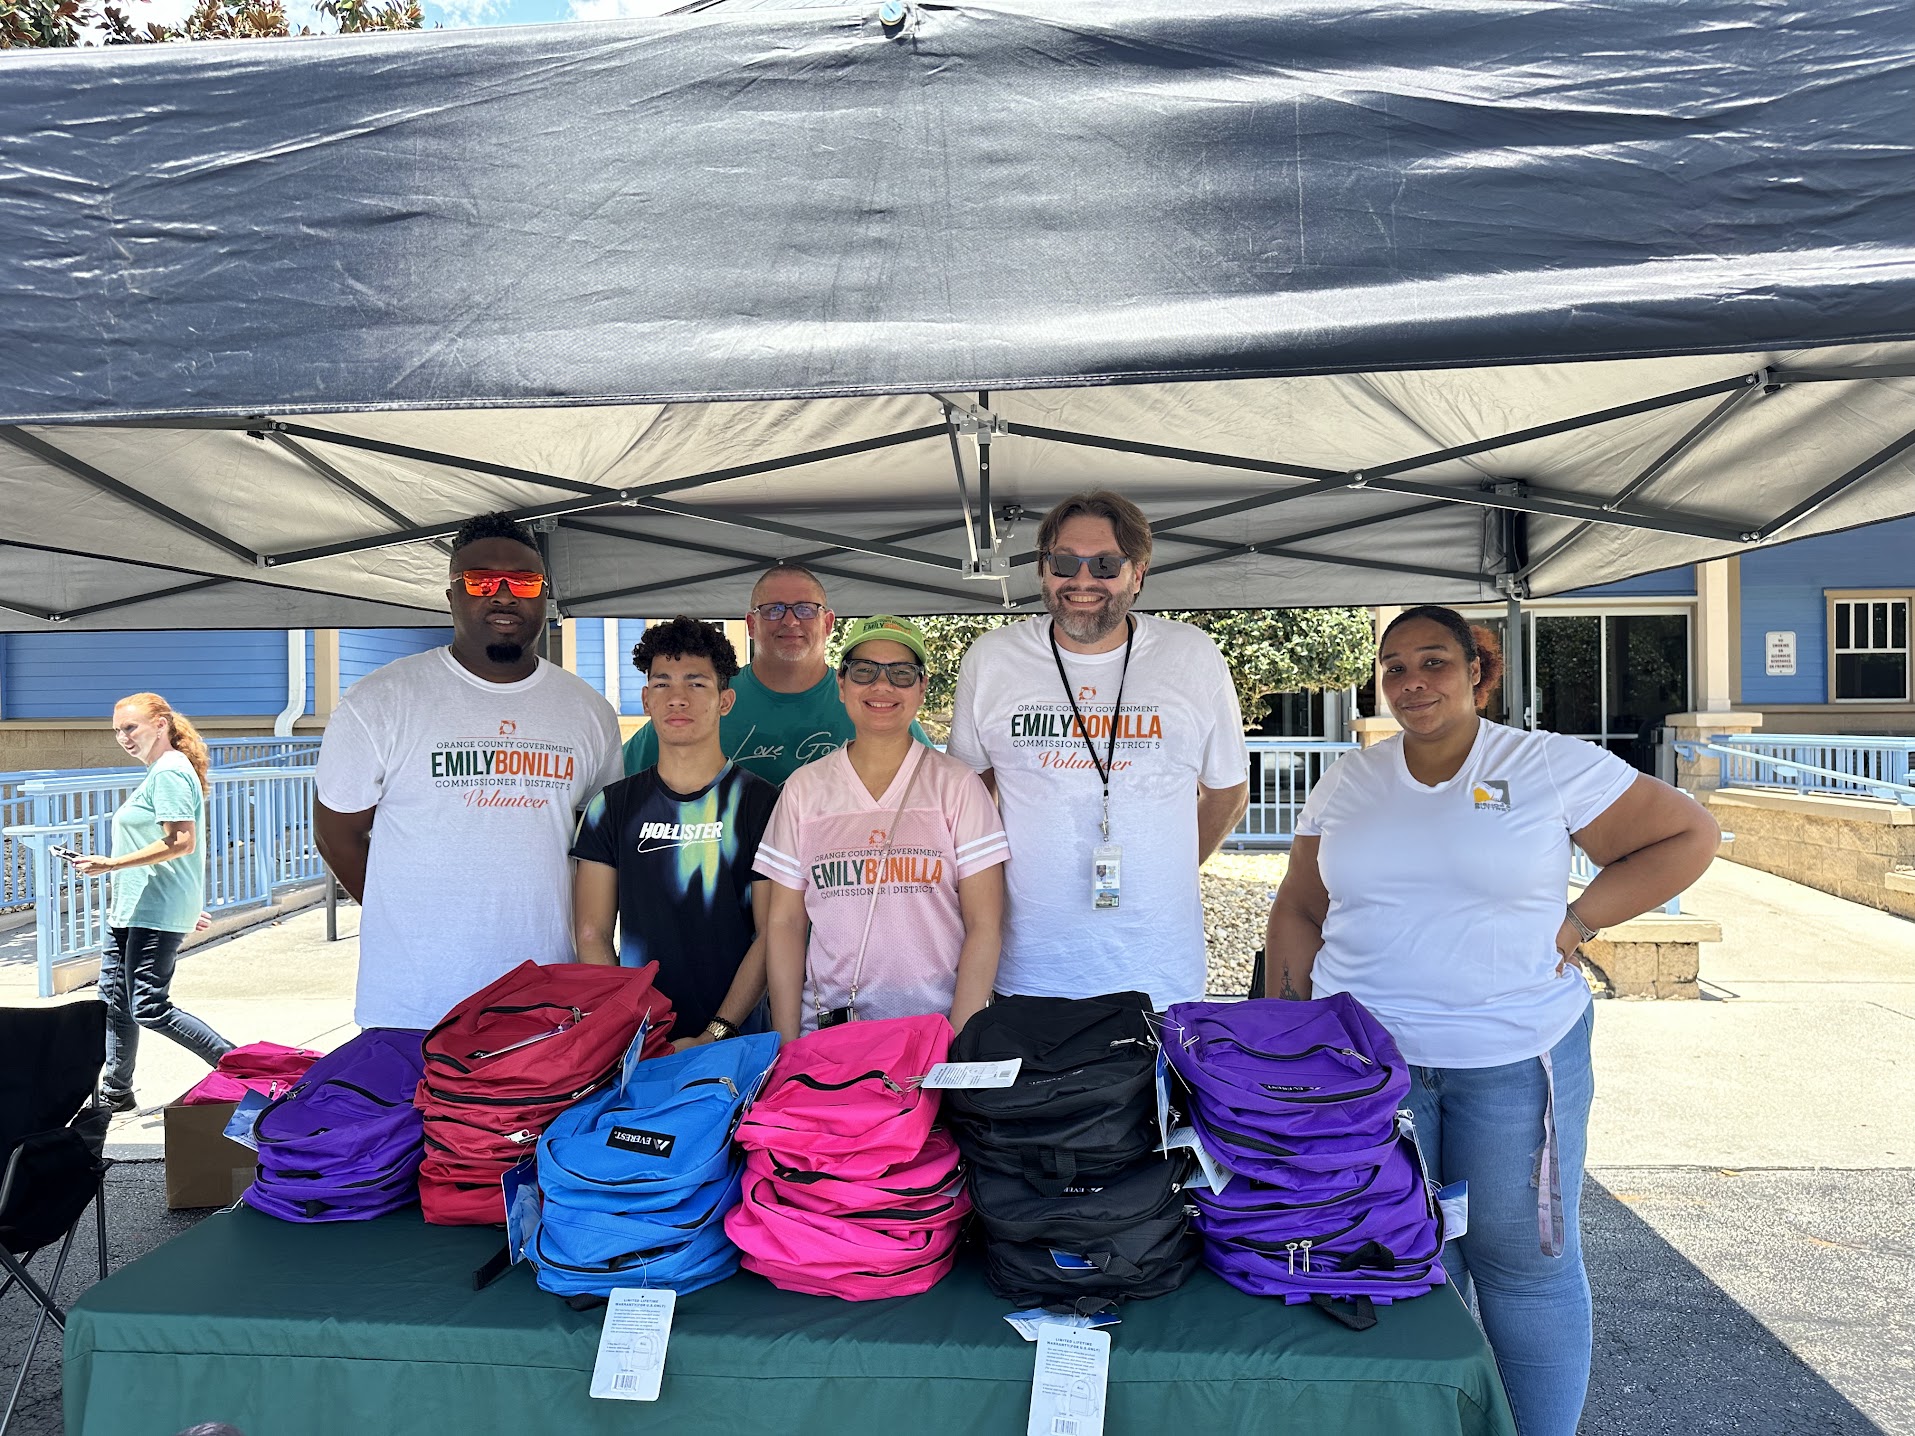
x,y
884,625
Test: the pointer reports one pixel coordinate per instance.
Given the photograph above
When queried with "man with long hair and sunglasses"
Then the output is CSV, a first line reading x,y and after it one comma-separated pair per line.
x,y
786,712
473,759
1114,743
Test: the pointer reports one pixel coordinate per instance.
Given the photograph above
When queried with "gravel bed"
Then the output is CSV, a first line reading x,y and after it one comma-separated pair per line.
x,y
1238,889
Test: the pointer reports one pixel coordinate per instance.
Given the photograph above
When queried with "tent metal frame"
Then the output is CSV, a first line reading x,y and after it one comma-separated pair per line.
x,y
979,520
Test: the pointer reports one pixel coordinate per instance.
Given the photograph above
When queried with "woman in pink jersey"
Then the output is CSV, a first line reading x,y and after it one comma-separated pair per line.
x,y
885,859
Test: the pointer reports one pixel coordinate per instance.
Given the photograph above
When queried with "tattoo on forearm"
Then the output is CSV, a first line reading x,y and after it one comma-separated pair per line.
x,y
1289,993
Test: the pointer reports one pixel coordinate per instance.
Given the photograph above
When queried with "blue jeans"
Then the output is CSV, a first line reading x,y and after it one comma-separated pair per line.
x,y
135,972
1484,1125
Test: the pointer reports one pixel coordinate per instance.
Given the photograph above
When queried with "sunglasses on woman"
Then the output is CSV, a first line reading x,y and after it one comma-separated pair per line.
x,y
863,672
484,582
1101,565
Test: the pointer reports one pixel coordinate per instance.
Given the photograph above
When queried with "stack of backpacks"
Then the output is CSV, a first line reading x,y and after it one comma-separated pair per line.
x,y
1329,1202
511,1057
850,1190
344,1144
1077,1203
637,1179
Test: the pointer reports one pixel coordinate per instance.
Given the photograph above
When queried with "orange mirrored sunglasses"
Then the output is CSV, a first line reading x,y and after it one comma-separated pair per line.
x,y
484,582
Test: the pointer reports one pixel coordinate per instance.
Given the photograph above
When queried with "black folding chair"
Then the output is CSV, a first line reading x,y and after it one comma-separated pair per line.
x,y
52,1133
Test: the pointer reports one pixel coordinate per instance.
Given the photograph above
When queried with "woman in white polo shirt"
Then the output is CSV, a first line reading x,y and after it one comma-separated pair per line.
x,y
1428,880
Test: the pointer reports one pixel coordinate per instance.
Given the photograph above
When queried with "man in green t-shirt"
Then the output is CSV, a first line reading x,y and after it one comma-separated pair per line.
x,y
788,711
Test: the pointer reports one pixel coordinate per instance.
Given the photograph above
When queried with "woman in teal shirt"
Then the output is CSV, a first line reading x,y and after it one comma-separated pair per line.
x,y
158,889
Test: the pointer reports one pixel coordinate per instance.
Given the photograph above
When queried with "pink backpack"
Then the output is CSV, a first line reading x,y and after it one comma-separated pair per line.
x,y
268,1068
849,1191
857,1260
845,1099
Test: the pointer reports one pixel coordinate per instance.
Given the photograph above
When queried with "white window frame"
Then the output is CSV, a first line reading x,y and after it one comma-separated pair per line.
x,y
1904,597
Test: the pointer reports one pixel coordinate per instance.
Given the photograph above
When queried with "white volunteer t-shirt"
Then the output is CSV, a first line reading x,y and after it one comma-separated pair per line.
x,y
475,784
1445,901
1181,726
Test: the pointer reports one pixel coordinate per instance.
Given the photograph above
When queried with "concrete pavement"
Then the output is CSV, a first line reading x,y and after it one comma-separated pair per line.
x,y
1749,1213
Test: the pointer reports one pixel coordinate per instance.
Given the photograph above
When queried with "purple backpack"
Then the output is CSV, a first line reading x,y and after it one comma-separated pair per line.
x,y
1329,1203
344,1145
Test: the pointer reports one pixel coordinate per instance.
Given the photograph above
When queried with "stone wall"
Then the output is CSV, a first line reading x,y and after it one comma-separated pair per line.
x,y
1844,846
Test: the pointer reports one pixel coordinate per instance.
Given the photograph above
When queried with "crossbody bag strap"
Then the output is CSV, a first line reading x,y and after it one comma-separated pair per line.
x,y
890,842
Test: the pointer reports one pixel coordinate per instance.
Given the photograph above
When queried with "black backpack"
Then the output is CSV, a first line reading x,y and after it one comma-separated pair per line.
x,y
1084,1104
1123,1238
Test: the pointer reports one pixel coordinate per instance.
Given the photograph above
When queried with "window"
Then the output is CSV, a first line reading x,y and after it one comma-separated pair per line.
x,y
1869,650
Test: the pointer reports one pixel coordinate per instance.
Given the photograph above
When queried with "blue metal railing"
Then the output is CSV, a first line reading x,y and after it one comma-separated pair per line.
x,y
257,840
1830,764
301,752
1282,772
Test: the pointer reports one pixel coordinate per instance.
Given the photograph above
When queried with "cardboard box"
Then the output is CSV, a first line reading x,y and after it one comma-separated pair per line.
x,y
204,1167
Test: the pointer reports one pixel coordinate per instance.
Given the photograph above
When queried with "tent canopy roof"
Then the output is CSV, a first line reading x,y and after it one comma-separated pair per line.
x,y
1362,304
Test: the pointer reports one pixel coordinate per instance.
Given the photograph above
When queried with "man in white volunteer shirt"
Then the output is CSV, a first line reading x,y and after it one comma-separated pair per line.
x,y
472,760
1109,810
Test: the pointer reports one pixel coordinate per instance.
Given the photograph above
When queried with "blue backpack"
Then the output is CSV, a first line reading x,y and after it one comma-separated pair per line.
x,y
637,1179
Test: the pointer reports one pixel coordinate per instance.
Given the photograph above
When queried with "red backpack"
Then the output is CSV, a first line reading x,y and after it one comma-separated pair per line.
x,y
508,1059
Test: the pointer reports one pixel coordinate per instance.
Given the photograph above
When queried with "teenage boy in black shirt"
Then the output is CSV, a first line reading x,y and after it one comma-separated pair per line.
x,y
668,852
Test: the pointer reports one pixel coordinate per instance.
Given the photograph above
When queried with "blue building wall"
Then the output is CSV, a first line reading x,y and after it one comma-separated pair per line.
x,y
363,649
631,683
1664,583
1783,588
589,661
80,675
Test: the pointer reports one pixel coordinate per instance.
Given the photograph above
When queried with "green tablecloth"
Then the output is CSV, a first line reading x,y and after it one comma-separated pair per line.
x,y
372,1328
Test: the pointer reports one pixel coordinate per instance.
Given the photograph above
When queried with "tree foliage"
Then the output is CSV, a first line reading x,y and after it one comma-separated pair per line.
x,y
56,24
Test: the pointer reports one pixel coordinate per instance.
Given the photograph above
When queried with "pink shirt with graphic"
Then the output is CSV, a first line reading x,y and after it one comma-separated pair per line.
x,y
825,840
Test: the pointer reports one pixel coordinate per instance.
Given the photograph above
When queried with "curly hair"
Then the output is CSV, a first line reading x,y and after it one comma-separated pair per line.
x,y
687,638
491,526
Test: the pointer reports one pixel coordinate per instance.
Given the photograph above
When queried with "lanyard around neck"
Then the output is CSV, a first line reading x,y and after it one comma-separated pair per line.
x,y
1109,762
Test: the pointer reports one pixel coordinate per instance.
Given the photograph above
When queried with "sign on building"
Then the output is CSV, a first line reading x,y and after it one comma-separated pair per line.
x,y
1780,647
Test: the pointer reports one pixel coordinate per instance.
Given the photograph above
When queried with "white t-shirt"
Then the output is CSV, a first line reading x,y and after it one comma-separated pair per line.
x,y
1445,901
1180,727
826,839
475,784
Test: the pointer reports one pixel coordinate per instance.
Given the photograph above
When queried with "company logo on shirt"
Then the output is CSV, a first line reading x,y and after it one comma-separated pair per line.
x,y
814,745
507,727
843,874
878,837
503,772
1060,735
654,837
1086,693
1491,795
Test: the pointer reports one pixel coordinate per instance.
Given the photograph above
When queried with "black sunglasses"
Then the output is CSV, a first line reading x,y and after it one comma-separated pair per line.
x,y
1101,565
863,672
775,612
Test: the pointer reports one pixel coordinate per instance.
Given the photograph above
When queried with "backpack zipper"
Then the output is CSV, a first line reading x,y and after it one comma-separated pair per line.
x,y
564,1026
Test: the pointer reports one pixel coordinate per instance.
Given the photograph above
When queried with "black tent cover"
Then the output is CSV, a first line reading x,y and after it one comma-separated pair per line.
x,y
1362,303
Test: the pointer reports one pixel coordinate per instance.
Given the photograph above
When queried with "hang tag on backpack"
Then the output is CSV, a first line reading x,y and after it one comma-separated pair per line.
x,y
239,1126
524,1205
631,1344
1163,1101
1212,1173
1106,874
1072,1379
635,1053
1454,1200
972,1076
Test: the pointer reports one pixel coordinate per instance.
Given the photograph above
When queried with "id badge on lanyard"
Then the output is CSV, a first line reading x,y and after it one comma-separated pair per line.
x,y
1107,858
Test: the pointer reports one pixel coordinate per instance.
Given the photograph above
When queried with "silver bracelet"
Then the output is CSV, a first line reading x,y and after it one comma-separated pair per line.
x,y
1575,918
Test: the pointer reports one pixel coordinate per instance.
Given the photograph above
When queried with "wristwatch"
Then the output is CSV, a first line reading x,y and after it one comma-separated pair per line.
x,y
718,1029
1576,921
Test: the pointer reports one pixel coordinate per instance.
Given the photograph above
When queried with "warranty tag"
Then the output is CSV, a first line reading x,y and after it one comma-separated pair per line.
x,y
1067,1393
951,1076
1106,874
1215,1176
631,1344
1028,1323
239,1126
523,1206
